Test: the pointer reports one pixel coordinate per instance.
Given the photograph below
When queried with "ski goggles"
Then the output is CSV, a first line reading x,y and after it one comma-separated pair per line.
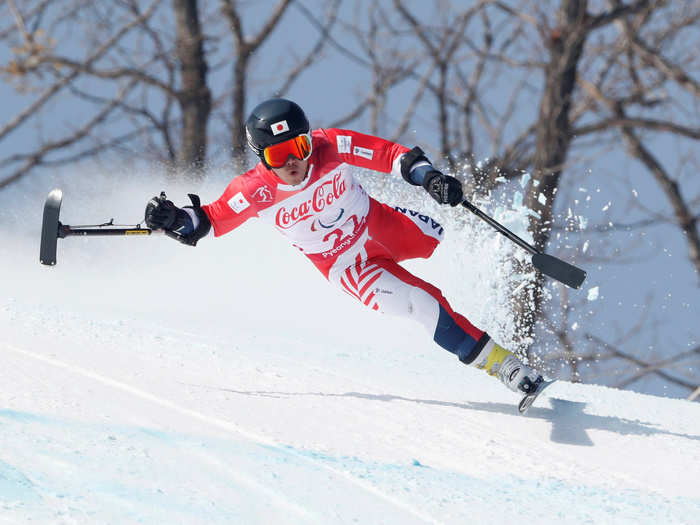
x,y
276,155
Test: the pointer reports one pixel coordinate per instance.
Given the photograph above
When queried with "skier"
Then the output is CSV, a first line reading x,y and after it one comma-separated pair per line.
x,y
303,186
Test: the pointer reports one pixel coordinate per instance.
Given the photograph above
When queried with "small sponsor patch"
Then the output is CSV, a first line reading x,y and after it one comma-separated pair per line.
x,y
363,152
279,127
238,202
262,194
344,143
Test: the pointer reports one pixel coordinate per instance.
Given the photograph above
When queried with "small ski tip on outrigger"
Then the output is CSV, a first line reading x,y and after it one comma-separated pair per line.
x,y
52,229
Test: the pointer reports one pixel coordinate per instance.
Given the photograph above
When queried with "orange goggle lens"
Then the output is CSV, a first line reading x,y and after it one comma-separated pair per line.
x,y
277,154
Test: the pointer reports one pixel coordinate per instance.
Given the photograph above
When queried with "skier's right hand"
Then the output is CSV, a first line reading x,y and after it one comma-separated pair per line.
x,y
190,223
161,213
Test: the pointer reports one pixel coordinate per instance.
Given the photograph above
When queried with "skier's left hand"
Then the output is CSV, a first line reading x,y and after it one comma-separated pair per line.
x,y
443,188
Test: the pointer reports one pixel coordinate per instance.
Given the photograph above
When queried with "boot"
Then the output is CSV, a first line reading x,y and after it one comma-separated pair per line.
x,y
497,361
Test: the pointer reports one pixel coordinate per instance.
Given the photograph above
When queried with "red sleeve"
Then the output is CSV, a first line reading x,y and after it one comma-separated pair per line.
x,y
232,209
366,151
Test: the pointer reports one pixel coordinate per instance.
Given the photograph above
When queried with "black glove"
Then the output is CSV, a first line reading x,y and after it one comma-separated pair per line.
x,y
417,170
443,188
162,214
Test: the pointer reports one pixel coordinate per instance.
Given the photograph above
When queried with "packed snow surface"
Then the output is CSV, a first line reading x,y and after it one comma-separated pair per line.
x,y
142,381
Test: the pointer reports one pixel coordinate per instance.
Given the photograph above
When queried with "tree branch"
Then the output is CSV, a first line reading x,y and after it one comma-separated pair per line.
x,y
325,30
37,157
651,370
619,12
632,122
99,53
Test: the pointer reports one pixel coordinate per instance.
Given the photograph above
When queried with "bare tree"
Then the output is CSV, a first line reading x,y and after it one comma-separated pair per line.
x,y
595,70
246,47
644,58
124,70
194,95
141,74
34,62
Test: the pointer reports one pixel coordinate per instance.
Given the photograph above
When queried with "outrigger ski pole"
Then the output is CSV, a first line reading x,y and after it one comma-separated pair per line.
x,y
547,264
52,229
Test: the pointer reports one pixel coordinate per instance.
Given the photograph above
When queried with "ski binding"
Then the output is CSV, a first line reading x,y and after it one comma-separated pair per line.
x,y
528,399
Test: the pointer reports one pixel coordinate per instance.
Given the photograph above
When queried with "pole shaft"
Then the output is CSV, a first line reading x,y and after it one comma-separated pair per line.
x,y
65,231
502,229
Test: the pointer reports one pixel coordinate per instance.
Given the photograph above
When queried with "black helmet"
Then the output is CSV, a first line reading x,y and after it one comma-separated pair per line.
x,y
274,121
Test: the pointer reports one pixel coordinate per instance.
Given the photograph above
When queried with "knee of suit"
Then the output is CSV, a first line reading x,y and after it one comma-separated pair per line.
x,y
423,308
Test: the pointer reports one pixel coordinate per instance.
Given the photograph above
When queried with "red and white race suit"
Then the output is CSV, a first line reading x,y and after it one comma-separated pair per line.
x,y
354,240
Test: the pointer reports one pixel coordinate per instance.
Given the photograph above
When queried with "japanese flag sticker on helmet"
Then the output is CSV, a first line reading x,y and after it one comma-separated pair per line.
x,y
279,127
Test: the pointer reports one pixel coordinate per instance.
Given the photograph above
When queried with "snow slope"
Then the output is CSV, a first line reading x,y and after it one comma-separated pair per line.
x,y
142,381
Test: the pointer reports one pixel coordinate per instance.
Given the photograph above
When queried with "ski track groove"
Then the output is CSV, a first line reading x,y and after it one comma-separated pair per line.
x,y
525,446
278,499
222,424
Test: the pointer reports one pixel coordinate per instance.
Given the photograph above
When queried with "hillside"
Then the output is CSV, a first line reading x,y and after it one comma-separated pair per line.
x,y
147,382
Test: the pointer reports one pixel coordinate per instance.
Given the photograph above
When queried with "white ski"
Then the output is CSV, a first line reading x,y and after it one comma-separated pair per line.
x,y
528,399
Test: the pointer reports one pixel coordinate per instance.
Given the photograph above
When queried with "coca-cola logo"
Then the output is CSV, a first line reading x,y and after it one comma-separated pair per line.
x,y
324,195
